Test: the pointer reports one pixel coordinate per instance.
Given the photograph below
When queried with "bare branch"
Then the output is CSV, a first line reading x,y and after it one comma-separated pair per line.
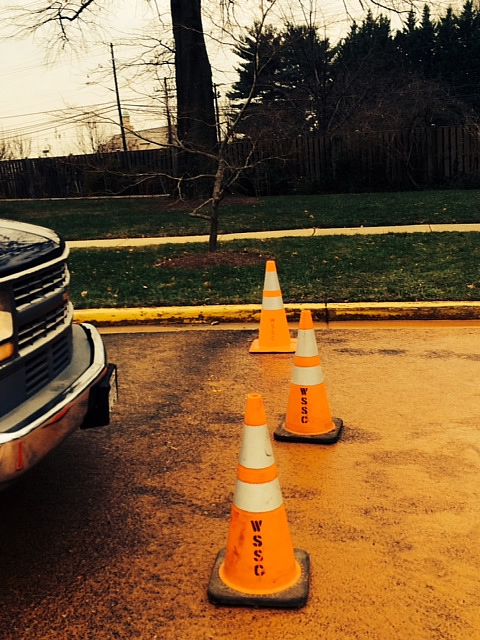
x,y
58,13
196,212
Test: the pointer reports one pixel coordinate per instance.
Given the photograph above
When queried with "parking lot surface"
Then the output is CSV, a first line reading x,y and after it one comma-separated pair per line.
x,y
116,533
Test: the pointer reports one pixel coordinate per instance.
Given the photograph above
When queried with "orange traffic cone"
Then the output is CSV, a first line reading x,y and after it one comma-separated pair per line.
x,y
259,567
308,417
274,335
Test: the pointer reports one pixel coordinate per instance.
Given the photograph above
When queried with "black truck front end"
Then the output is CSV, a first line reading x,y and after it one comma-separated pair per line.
x,y
54,375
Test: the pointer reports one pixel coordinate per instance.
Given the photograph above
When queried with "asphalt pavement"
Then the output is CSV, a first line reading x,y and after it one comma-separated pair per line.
x,y
114,535
324,313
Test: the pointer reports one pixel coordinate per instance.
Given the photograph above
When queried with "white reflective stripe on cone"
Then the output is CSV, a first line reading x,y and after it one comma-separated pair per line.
x,y
271,281
256,498
256,452
272,304
307,376
306,343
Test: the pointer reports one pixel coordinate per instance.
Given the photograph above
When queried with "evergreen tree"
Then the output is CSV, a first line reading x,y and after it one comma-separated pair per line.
x,y
406,42
260,52
417,44
466,79
425,42
365,70
308,57
446,47
457,56
288,73
426,74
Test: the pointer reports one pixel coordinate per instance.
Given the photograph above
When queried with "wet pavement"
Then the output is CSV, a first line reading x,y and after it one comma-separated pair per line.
x,y
115,534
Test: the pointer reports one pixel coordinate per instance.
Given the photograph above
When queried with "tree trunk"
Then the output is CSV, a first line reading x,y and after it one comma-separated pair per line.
x,y
217,197
196,122
213,236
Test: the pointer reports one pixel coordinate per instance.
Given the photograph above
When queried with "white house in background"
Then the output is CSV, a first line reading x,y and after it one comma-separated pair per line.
x,y
146,139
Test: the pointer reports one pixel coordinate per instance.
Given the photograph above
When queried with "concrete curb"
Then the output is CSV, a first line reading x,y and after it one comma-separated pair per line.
x,y
325,313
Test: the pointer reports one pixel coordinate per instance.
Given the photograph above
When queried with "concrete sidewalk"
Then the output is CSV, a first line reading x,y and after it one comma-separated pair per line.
x,y
265,235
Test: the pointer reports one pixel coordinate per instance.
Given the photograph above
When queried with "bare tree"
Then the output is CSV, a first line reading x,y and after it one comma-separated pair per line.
x,y
203,156
209,158
92,133
14,148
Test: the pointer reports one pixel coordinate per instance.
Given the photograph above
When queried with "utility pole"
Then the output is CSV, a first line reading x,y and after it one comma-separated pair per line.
x,y
216,95
119,107
169,118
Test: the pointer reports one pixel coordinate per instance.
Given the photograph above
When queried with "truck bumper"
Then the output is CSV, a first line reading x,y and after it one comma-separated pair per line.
x,y
80,396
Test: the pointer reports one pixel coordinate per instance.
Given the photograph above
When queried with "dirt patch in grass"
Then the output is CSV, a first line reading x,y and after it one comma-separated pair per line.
x,y
216,259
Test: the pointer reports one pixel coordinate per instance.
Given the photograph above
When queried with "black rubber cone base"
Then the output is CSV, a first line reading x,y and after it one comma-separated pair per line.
x,y
330,437
293,598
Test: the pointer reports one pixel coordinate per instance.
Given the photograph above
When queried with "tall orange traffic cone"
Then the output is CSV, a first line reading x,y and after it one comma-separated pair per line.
x,y
308,417
274,335
259,566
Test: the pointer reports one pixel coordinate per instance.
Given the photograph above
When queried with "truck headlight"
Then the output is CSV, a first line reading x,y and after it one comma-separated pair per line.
x,y
6,327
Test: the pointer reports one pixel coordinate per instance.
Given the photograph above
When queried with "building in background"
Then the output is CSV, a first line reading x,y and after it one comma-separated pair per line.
x,y
143,140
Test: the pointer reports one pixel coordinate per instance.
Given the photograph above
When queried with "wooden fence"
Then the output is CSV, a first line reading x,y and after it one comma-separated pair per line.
x,y
351,162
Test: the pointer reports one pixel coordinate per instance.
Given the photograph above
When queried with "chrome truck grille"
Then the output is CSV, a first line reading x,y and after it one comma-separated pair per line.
x,y
44,316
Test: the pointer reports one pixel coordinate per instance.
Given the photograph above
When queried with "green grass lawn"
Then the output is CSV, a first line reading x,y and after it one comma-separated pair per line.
x,y
400,267
159,216
392,267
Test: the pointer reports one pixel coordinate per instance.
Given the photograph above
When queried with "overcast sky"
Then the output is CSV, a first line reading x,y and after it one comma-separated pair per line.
x,y
36,92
